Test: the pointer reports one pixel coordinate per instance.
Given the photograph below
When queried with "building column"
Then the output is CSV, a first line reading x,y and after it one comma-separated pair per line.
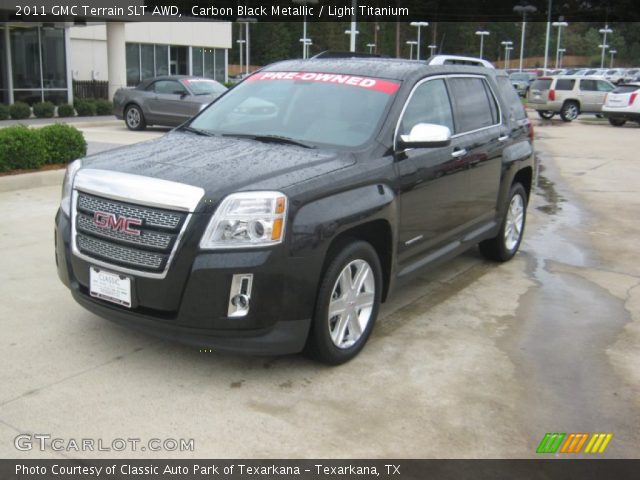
x,y
116,57
7,41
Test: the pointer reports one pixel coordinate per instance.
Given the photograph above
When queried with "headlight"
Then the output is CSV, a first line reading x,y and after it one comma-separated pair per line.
x,y
67,186
247,219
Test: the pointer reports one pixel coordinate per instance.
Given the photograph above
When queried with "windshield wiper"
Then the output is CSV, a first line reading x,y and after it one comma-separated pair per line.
x,y
270,138
196,130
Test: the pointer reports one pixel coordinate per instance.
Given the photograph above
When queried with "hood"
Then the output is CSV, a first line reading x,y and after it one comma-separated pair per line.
x,y
221,165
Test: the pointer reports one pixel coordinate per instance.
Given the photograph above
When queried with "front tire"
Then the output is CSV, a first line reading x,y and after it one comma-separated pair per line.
x,y
570,111
347,304
546,114
134,118
617,122
504,246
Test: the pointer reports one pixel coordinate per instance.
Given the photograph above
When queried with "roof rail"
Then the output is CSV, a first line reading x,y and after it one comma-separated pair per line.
x,y
458,60
334,54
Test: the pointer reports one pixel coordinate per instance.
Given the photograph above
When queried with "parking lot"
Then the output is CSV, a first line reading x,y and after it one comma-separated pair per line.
x,y
472,360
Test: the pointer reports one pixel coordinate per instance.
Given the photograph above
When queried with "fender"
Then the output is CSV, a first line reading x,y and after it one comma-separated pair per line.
x,y
317,223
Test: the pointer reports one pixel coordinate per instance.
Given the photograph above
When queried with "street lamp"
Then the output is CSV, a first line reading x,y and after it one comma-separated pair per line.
x,y
604,45
305,46
561,51
411,43
419,25
352,41
432,50
371,47
241,43
305,50
523,10
482,34
612,52
508,46
559,25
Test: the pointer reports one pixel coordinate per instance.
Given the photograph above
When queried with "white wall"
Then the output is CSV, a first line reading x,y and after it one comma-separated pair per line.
x,y
89,43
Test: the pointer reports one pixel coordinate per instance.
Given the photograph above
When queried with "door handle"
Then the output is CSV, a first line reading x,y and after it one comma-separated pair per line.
x,y
458,153
504,138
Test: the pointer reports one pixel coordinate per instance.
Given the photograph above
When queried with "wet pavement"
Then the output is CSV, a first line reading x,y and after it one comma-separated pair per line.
x,y
472,360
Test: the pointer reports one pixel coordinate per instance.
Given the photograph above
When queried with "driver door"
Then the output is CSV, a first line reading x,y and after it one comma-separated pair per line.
x,y
167,104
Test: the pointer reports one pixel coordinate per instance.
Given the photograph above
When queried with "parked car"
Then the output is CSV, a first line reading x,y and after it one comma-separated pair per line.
x,y
623,105
167,100
568,95
615,75
521,81
283,228
631,75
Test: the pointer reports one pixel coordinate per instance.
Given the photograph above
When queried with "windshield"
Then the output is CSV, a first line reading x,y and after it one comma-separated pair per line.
x,y
520,76
202,86
314,108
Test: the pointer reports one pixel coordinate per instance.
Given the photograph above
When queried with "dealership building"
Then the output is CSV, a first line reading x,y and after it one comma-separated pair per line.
x,y
40,61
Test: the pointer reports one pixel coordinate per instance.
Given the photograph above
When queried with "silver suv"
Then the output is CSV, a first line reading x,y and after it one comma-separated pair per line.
x,y
568,95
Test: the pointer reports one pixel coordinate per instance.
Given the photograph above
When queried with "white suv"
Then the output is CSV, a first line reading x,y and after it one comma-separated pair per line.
x,y
568,95
623,104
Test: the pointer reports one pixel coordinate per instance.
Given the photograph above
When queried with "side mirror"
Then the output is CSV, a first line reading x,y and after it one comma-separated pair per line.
x,y
182,93
426,135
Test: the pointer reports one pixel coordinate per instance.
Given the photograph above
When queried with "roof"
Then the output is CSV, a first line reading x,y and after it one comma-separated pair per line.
x,y
387,68
145,83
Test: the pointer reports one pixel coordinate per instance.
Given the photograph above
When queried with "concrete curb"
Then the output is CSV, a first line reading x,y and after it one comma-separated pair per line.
x,y
24,181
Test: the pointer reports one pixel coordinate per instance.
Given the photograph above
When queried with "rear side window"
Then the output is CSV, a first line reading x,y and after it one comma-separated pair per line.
x,y
541,84
588,85
515,109
565,84
472,105
626,89
603,86
429,104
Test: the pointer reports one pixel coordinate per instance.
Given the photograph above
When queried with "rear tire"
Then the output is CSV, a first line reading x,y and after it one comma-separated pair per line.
x,y
617,122
546,114
570,111
351,290
504,246
134,118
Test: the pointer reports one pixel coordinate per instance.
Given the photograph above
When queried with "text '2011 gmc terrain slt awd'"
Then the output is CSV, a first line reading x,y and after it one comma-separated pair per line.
x,y
280,217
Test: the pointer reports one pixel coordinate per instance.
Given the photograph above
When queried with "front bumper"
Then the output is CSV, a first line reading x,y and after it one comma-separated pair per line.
x,y
190,305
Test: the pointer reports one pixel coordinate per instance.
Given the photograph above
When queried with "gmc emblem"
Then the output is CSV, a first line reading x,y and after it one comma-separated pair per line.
x,y
119,224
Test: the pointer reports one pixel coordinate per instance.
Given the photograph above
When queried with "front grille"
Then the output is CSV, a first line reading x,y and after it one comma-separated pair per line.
x,y
149,251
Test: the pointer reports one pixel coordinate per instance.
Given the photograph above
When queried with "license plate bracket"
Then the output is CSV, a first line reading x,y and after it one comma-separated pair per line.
x,y
110,286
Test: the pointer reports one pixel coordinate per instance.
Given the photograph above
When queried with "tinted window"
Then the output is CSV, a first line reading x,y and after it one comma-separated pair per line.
x,y
604,86
515,110
473,110
565,84
429,104
541,84
588,85
626,89
167,86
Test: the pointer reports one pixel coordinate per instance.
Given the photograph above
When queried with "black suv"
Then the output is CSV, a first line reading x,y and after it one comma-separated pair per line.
x,y
279,218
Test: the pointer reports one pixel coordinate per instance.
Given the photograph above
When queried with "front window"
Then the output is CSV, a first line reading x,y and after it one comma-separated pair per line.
x,y
310,107
200,86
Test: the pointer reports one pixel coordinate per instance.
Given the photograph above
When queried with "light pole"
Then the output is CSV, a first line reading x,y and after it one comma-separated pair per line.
x,y
612,52
352,40
559,25
432,50
246,29
561,51
305,46
482,34
547,38
419,25
305,50
411,43
604,45
371,46
241,43
508,46
523,10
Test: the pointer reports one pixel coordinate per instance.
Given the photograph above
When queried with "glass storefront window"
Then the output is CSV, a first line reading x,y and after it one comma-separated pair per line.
x,y
209,63
219,65
25,58
4,71
146,62
54,66
178,65
196,61
133,64
162,60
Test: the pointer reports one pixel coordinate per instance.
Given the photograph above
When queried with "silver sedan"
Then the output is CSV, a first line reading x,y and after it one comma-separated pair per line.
x,y
168,100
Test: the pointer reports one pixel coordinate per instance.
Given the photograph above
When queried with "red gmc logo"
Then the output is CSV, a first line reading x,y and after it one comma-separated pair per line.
x,y
113,222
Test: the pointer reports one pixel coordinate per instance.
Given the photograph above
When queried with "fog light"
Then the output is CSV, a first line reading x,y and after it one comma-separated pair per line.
x,y
240,295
